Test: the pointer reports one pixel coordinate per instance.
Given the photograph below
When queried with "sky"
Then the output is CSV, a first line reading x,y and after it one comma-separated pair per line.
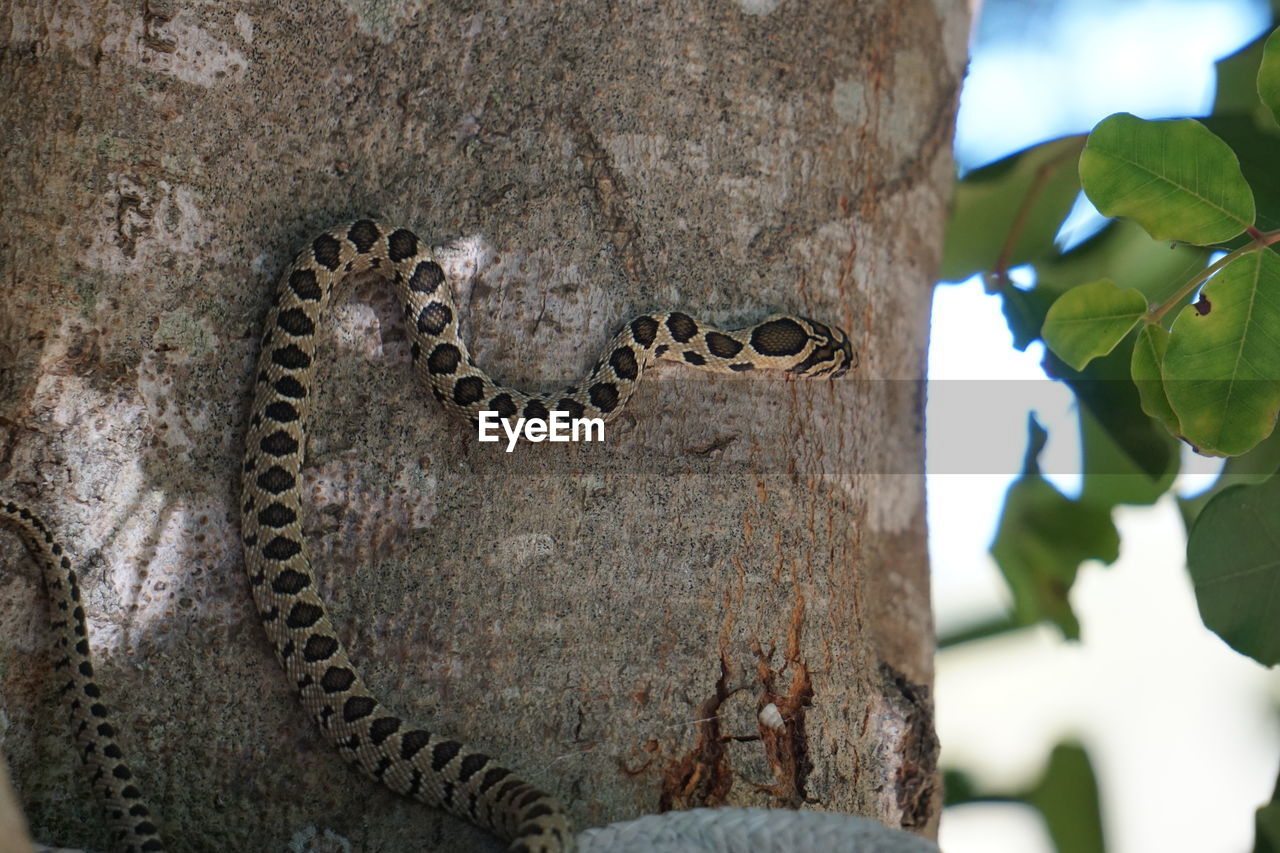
x,y
1182,731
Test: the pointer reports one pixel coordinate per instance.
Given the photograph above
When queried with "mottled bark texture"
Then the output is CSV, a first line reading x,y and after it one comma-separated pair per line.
x,y
614,620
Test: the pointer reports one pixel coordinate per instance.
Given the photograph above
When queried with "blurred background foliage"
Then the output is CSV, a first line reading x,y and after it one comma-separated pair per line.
x,y
1021,225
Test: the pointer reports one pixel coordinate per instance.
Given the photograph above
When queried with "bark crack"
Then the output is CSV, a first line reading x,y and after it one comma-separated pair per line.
x,y
703,776
781,716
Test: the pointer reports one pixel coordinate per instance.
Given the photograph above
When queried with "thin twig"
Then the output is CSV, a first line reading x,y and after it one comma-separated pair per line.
x,y
1260,241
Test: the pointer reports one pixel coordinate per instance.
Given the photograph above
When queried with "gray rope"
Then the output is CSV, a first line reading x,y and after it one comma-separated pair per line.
x,y
731,830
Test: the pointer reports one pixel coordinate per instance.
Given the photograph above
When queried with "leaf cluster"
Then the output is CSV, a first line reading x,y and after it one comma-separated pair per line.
x,y
1166,326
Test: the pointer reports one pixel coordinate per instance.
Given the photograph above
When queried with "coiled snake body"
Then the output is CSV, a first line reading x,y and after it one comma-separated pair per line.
x,y
434,769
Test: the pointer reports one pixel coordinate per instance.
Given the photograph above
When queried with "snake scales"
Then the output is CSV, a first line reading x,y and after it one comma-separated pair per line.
x,y
432,768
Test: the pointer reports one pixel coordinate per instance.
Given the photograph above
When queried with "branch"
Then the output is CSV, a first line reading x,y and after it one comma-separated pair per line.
x,y
1260,241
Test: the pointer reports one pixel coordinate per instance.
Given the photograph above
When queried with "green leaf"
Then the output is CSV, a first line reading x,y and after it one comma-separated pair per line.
x,y
1237,91
1269,75
1121,252
1125,253
1233,556
1242,121
1175,178
1267,829
1111,475
1043,538
1088,321
1105,389
1032,191
1222,367
1147,364
1267,825
958,788
1247,469
1255,146
1024,313
1067,796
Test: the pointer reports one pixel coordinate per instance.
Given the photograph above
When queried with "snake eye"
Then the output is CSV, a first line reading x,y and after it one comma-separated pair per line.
x,y
849,358
820,357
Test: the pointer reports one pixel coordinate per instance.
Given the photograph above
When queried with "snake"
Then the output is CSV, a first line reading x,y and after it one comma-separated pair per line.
x,y
133,830
428,766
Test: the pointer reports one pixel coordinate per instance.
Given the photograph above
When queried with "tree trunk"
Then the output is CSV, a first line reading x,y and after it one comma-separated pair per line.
x,y
612,619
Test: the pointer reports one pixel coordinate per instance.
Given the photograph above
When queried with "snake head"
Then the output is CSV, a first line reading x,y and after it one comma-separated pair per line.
x,y
831,355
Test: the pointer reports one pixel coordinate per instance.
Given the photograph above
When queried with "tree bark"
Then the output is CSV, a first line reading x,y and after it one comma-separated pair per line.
x,y
611,619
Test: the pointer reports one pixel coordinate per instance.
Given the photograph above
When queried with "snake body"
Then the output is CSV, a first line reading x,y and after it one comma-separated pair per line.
x,y
427,766
128,818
